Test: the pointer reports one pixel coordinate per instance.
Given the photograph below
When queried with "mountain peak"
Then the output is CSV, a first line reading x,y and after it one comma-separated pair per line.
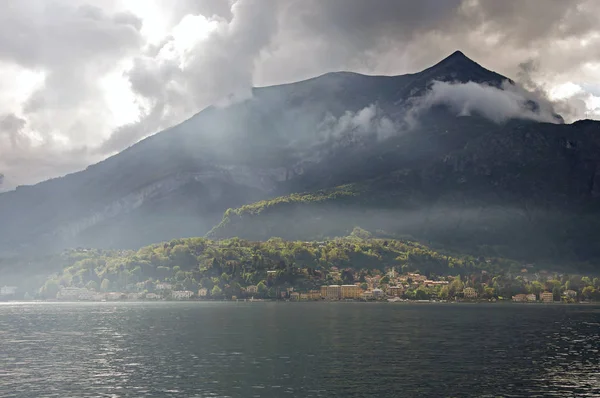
x,y
457,57
458,54
458,67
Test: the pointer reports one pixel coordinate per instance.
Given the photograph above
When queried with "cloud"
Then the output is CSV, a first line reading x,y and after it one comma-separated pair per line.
x,y
367,122
495,104
66,45
217,69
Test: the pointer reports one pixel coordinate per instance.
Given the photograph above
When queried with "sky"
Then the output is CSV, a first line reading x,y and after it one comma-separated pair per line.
x,y
81,80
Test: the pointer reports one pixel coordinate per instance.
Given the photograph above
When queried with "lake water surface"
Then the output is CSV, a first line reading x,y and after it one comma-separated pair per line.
x,y
298,350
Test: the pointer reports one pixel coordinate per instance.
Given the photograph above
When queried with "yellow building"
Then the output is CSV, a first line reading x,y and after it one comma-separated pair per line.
x,y
519,298
350,292
547,297
334,292
314,295
323,291
395,291
469,292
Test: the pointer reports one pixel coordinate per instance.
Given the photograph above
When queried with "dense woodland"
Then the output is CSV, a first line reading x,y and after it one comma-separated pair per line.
x,y
225,268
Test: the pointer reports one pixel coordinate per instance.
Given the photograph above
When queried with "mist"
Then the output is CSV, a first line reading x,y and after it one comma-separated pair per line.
x,y
367,121
496,104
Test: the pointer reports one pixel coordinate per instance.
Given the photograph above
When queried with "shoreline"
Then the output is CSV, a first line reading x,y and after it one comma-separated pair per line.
x,y
406,302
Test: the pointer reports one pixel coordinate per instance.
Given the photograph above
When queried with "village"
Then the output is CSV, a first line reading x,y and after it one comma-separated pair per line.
x,y
390,287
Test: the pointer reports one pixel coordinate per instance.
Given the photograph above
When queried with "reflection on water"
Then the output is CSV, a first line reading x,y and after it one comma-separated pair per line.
x,y
297,349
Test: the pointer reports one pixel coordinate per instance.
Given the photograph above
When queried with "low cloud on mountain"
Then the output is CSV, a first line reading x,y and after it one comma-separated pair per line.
x,y
367,121
495,104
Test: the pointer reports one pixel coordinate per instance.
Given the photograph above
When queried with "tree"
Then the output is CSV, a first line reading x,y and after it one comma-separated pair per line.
x,y
262,288
421,294
588,292
163,272
105,285
92,285
50,289
182,256
444,292
489,292
216,292
180,276
348,276
556,292
360,233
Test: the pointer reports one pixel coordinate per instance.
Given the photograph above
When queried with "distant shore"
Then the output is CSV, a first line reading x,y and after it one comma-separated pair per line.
x,y
302,301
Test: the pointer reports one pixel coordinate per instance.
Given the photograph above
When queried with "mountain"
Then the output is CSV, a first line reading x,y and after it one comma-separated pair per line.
x,y
340,132
522,190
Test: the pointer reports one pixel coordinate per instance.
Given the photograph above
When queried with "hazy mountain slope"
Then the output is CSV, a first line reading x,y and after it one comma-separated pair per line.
x,y
178,182
526,189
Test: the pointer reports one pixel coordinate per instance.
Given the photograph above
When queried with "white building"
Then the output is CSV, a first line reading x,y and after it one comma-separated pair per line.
x,y
252,289
114,296
368,295
547,297
75,293
469,292
377,293
152,296
182,294
164,286
8,290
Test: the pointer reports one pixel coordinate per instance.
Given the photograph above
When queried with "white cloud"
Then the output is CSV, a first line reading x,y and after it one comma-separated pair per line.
x,y
367,121
495,104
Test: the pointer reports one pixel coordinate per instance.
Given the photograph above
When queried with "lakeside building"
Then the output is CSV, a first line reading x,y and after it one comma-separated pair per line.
x,y
350,292
323,291
75,293
164,286
430,283
133,296
252,289
415,278
547,297
377,293
469,292
295,296
152,296
202,292
314,295
368,295
182,294
334,292
114,296
395,291
8,290
531,297
519,298
570,293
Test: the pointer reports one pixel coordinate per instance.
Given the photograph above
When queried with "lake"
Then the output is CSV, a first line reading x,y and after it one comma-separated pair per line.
x,y
281,349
